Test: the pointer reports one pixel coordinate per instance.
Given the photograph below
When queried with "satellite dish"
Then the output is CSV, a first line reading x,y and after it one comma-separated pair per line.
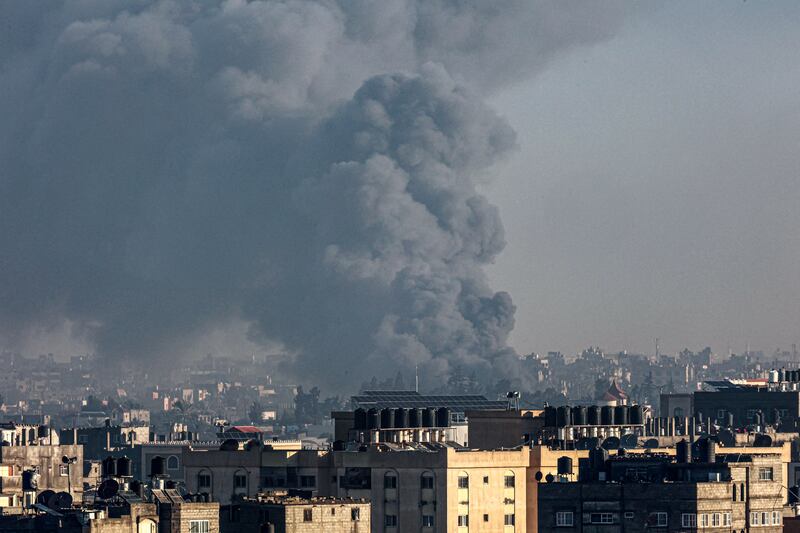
x,y
538,476
52,500
62,500
611,443
549,478
727,438
762,440
65,460
629,441
45,496
650,443
588,443
229,445
108,489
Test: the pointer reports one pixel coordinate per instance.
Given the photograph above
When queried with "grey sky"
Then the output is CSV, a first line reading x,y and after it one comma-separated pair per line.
x,y
656,190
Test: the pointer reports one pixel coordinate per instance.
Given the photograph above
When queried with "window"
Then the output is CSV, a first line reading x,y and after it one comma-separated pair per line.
x,y
486,518
629,515
716,520
463,520
355,514
308,481
601,518
426,481
508,519
720,414
427,520
390,520
733,492
203,480
198,526
754,519
239,480
689,520
764,519
63,470
726,519
564,519
485,480
308,515
83,439
741,492
703,520
390,481
678,411
172,463
463,482
765,474
776,518
333,511
658,519
509,481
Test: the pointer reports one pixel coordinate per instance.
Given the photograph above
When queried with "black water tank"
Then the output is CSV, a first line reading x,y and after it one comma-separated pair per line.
x,y
373,419
683,452
443,417
550,417
123,467
564,465
158,466
564,416
607,415
359,419
597,459
414,417
621,414
706,450
579,415
429,417
387,418
401,418
43,432
636,414
593,415
109,467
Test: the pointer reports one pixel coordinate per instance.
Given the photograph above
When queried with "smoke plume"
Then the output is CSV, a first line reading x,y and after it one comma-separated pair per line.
x,y
308,167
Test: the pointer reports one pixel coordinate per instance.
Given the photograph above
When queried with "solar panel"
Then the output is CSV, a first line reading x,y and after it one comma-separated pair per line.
x,y
408,399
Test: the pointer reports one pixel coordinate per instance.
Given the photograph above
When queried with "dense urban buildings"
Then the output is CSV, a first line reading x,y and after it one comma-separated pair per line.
x,y
718,454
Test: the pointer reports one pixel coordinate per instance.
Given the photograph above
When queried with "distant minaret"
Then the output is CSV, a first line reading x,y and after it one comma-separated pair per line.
x,y
657,351
416,378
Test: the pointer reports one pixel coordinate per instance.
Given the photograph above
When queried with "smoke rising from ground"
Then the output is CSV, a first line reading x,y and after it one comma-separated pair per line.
x,y
308,167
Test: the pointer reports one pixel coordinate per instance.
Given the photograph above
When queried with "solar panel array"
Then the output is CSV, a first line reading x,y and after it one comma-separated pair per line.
x,y
408,399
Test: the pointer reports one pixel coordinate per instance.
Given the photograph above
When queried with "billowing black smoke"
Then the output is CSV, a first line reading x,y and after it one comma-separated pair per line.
x,y
307,167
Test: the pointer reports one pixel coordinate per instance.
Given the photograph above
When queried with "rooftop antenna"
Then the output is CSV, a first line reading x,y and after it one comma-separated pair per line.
x,y
657,351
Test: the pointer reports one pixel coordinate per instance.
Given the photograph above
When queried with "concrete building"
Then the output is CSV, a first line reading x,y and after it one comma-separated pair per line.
x,y
176,515
97,442
291,514
727,490
676,405
27,453
745,403
117,518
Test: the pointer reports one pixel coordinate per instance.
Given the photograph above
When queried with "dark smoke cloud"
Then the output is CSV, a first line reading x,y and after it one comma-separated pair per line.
x,y
169,166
